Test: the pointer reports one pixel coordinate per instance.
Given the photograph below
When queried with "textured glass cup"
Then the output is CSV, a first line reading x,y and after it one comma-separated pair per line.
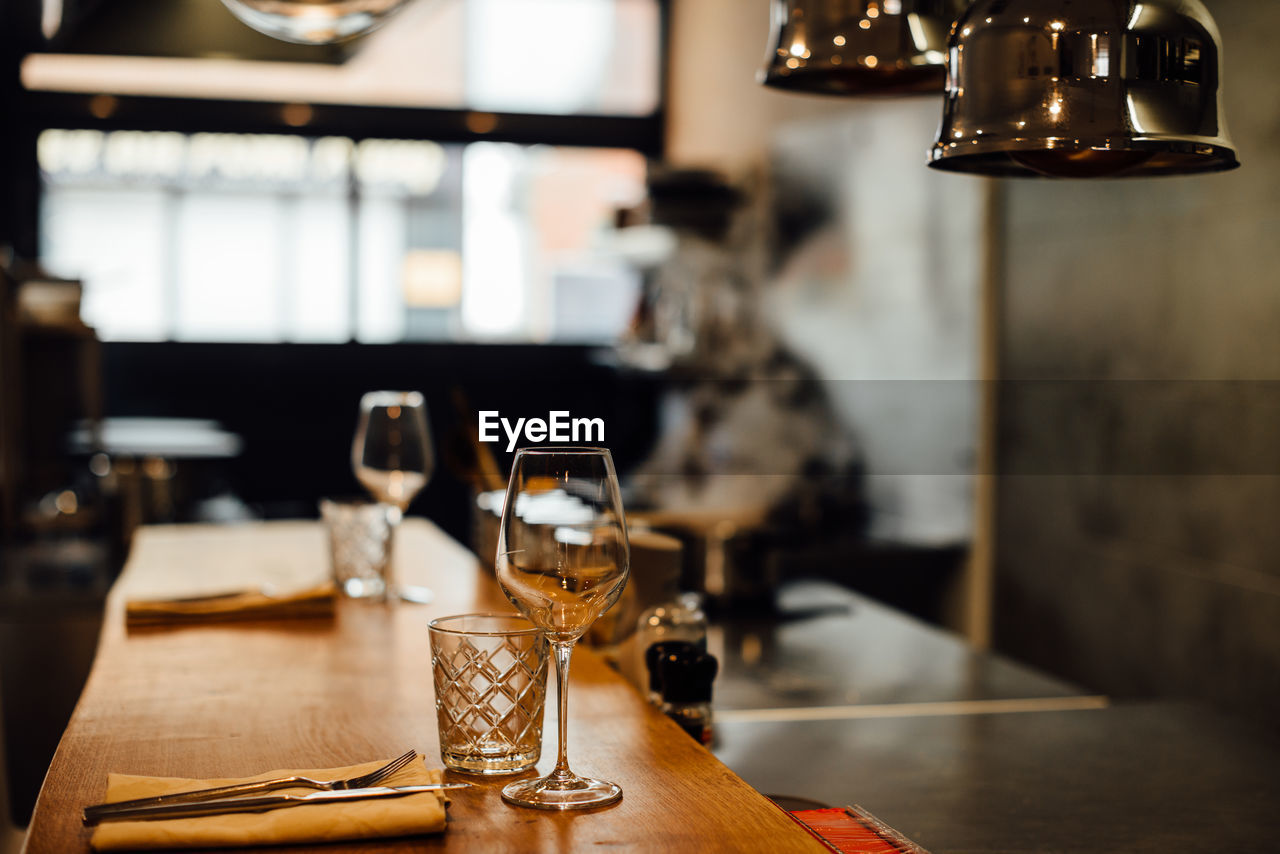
x,y
490,674
359,547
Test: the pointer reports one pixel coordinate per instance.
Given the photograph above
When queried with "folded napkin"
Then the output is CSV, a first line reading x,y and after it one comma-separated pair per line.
x,y
245,605
376,818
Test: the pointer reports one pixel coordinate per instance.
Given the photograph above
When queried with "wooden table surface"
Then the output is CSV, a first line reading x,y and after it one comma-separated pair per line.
x,y
237,699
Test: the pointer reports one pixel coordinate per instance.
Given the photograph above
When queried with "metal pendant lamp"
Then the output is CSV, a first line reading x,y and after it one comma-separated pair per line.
x,y
313,21
859,47
1084,89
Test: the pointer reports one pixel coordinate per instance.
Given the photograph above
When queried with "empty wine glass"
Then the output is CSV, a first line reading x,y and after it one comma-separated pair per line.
x,y
391,456
562,560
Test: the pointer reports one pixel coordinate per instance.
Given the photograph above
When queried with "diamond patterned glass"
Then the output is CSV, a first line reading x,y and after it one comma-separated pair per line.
x,y
359,546
490,673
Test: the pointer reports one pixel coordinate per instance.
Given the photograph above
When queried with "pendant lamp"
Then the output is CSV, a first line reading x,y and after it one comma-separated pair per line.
x,y
859,47
1084,89
313,21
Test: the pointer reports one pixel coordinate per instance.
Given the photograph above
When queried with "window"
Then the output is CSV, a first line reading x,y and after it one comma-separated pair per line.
x,y
416,184
242,237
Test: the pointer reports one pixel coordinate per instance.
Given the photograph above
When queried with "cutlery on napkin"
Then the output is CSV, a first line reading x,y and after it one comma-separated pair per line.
x,y
362,818
263,803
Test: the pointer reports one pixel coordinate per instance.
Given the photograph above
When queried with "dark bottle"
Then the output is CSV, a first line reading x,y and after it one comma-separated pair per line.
x,y
686,690
653,656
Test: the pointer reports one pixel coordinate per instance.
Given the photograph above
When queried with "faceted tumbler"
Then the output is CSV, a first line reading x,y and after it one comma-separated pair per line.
x,y
490,674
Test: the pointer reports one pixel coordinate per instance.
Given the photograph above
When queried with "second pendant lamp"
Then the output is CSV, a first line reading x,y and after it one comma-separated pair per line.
x,y
859,47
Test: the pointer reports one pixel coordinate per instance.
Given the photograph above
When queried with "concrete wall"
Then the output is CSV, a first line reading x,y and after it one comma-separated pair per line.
x,y
1138,549
719,117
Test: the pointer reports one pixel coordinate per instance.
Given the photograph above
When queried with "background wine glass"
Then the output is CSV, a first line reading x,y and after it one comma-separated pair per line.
x,y
391,456
562,560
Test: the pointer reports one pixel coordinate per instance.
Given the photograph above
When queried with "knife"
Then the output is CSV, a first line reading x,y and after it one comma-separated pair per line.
x,y
263,803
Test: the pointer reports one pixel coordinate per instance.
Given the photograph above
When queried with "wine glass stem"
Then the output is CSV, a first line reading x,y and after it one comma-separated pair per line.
x,y
563,652
394,515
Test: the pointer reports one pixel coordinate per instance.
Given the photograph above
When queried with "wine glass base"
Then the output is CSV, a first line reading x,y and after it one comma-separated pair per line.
x,y
413,593
576,794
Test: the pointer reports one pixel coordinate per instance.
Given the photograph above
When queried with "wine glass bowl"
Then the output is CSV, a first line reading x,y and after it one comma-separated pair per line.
x,y
391,453
392,458
562,560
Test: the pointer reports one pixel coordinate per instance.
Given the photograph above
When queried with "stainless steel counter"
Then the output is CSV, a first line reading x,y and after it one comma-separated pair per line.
x,y
967,752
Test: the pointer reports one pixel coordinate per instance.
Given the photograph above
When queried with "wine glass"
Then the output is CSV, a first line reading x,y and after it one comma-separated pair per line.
x,y
562,560
391,456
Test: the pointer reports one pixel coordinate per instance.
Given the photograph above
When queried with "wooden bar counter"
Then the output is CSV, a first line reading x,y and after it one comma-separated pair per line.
x,y
235,699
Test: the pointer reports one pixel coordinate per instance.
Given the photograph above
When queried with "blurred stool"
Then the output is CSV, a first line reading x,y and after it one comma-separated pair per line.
x,y
722,559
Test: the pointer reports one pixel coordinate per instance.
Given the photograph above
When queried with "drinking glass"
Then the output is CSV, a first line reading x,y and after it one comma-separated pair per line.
x,y
562,561
391,456
490,676
359,546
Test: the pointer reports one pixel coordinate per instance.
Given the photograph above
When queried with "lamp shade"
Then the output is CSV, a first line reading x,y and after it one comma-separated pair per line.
x,y
1084,88
313,21
859,47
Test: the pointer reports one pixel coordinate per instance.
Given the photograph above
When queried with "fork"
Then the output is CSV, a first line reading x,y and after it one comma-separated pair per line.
x,y
99,811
